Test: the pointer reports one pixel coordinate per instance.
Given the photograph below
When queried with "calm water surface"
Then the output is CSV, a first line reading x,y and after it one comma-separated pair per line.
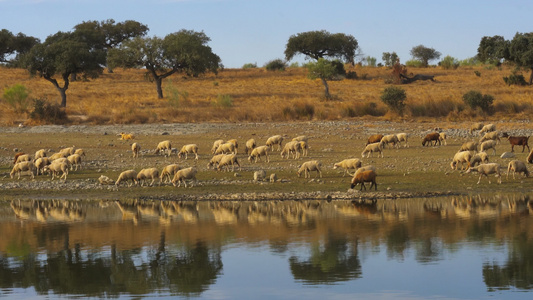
x,y
449,248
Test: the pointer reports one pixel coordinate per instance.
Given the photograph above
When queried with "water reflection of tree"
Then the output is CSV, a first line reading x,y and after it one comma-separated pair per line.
x,y
335,261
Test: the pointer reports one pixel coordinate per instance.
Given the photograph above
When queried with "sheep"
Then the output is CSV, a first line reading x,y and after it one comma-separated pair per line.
x,y
104,180
184,174
40,153
487,128
24,166
235,143
476,126
293,147
40,163
493,135
304,147
307,167
57,166
430,138
226,148
443,137
461,157
68,151
480,157
17,156
389,139
74,160
227,160
215,160
530,157
58,155
485,170
403,137
259,175
365,176
168,172
80,152
149,173
517,167
365,168
347,164
135,149
490,144
189,149
517,141
126,136
274,140
215,145
469,146
258,152
273,177
162,146
375,138
371,148
301,138
250,145
23,158
127,175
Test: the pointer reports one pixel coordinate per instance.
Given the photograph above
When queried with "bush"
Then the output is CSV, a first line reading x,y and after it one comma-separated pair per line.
x,y
276,65
224,101
175,97
449,63
48,113
249,66
475,99
394,98
299,111
414,63
17,97
515,79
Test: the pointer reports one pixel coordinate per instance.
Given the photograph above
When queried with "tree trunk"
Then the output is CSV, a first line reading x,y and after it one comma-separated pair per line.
x,y
326,92
62,90
159,79
158,83
531,77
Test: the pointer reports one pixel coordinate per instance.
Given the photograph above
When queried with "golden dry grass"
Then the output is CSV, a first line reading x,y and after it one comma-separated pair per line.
x,y
127,96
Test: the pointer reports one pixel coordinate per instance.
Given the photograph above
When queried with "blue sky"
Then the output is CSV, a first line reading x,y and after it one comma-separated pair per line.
x,y
253,31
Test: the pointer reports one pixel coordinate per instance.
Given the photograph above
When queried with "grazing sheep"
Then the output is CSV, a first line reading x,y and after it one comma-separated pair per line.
x,y
226,148
215,160
273,177
55,167
365,168
305,148
40,163
74,160
403,137
476,126
23,158
480,157
68,151
80,152
307,167
443,137
293,147
371,148
189,149
168,173
24,166
58,155
235,143
469,146
461,157
301,138
487,128
183,175
430,138
389,139
227,160
127,175
104,180
362,177
40,153
493,135
135,149
250,145
375,138
517,167
149,173
215,145
258,152
347,164
490,144
274,140
126,136
259,175
486,170
162,146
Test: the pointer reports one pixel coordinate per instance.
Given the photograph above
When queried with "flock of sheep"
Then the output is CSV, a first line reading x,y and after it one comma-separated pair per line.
x,y
225,156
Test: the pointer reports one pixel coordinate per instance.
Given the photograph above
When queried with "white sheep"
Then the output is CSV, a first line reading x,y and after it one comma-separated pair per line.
x,y
259,175
149,173
517,167
273,177
68,151
389,139
274,140
227,160
56,167
40,163
443,137
480,157
461,157
403,137
301,138
371,148
24,166
365,168
226,148
74,160
293,147
40,153
104,180
183,175
80,152
305,148
189,149
235,144
348,164
168,172
493,135
215,145
486,170
307,167
487,128
468,146
127,175
486,145
58,155
258,152
215,160
476,126
135,149
23,158
250,145
162,146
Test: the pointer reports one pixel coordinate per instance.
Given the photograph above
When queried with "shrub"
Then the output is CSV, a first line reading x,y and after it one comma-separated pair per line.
x,y
475,99
394,98
413,63
249,66
224,101
175,97
294,65
48,113
351,75
449,63
276,65
515,79
17,97
299,111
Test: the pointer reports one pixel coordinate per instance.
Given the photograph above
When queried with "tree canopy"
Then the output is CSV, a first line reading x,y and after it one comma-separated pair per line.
x,y
12,47
424,54
492,49
183,51
322,44
520,52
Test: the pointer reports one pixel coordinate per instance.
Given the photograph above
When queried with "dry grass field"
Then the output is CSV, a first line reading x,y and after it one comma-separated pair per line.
x,y
257,95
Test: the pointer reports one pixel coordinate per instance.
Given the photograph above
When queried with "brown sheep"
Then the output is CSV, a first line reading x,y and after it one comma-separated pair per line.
x,y
430,138
362,177
375,138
